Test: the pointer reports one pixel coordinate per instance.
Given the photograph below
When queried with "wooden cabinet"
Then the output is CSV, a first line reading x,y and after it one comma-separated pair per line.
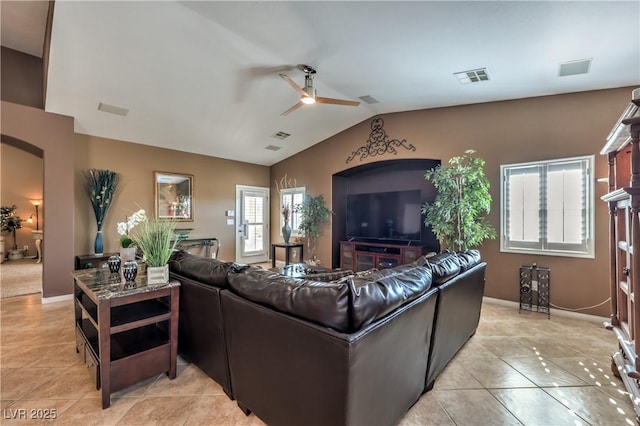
x,y
125,332
359,256
623,197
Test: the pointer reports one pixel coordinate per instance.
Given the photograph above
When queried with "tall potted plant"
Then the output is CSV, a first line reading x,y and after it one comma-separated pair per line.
x,y
156,240
314,213
10,223
458,213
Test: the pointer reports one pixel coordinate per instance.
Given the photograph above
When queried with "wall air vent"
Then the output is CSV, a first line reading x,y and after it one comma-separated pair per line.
x,y
368,99
273,148
112,109
472,76
581,66
281,135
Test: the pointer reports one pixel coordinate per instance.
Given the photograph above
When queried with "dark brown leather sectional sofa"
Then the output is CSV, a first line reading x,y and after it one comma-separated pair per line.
x,y
359,350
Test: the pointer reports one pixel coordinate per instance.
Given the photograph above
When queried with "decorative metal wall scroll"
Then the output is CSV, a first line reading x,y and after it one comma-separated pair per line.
x,y
379,143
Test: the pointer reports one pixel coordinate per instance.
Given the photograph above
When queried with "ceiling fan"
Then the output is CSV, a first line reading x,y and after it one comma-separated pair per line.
x,y
308,93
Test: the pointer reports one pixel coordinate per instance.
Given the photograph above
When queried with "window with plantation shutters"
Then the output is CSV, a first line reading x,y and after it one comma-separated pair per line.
x,y
547,207
291,198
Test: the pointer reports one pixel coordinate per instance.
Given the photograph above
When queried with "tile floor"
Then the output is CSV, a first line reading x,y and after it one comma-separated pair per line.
x,y
519,369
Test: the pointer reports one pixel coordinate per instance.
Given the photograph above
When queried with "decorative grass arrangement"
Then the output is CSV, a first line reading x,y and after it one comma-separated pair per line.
x,y
154,238
102,186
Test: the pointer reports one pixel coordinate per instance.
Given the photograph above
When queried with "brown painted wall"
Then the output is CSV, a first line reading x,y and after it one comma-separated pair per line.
x,y
22,180
21,78
502,133
214,188
53,134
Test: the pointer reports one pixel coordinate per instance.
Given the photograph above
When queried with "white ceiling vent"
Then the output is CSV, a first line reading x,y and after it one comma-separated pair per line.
x,y
281,135
472,76
369,99
581,66
273,148
112,109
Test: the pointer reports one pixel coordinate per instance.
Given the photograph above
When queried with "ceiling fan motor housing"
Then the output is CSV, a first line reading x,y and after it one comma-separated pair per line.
x,y
308,86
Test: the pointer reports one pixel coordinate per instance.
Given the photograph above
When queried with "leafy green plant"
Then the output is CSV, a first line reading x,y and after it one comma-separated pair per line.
x,y
156,239
10,222
314,213
458,213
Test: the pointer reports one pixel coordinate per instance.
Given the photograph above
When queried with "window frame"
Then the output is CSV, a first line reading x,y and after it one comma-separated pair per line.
x,y
293,222
586,249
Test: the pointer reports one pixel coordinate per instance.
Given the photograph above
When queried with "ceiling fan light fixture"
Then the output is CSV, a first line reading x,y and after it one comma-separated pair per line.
x,y
308,100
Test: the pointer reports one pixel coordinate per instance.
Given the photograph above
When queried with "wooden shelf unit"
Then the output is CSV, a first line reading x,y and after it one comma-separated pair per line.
x,y
360,256
623,153
125,333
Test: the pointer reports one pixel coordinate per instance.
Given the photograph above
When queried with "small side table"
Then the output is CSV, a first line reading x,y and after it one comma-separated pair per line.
x,y
287,252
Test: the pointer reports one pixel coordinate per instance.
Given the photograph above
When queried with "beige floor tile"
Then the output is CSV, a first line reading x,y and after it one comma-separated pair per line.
x,y
16,356
35,412
505,347
474,349
595,406
427,412
547,347
525,404
543,372
189,381
589,370
74,382
88,411
17,383
495,373
455,376
158,411
137,390
474,407
219,410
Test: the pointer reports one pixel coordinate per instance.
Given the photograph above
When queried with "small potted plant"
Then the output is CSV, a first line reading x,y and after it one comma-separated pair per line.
x,y
156,240
127,245
11,222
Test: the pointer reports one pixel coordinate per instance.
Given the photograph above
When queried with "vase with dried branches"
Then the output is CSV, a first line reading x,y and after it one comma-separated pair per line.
x,y
101,187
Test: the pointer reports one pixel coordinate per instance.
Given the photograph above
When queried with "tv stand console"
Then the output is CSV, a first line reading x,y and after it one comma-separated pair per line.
x,y
360,256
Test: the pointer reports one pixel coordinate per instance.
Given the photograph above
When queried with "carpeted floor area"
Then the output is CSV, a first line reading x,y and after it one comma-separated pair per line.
x,y
20,277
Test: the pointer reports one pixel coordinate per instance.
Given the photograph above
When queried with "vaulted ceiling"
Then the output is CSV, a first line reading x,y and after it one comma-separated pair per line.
x,y
203,77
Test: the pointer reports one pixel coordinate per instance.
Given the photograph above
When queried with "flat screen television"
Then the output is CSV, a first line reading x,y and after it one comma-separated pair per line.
x,y
388,217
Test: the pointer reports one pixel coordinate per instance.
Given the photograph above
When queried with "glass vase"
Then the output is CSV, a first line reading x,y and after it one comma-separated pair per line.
x,y
286,232
98,246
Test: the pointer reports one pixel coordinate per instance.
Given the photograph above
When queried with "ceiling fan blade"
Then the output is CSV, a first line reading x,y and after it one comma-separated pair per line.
x,y
294,85
293,108
322,100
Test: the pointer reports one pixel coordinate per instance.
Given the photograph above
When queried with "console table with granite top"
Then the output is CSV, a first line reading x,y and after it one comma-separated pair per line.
x,y
125,332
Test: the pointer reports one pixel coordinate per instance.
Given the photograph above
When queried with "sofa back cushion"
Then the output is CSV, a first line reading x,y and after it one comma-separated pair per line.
x,y
378,294
468,259
444,266
202,269
325,303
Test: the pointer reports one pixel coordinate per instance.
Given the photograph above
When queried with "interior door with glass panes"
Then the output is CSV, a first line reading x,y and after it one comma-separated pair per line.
x,y
252,227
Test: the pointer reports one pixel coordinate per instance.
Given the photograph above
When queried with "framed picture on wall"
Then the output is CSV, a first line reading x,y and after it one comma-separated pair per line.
x,y
173,196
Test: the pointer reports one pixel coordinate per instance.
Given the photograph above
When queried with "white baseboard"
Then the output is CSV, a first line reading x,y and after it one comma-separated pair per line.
x,y
54,299
559,312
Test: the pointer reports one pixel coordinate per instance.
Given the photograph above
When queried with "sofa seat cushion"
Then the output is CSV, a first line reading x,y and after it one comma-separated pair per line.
x,y
444,266
379,293
325,303
202,269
